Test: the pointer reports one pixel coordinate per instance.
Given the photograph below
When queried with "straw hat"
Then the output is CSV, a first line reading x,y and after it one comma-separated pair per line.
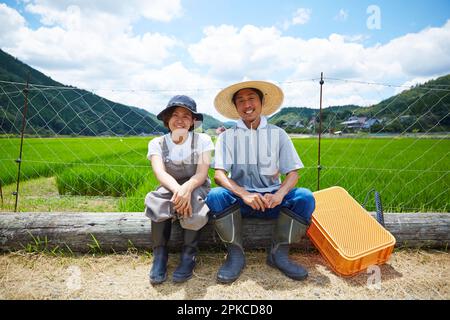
x,y
272,99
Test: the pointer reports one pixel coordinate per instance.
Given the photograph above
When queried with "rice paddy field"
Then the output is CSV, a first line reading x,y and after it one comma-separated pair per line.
x,y
411,174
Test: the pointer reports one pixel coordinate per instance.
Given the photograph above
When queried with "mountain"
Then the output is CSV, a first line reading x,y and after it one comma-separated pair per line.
x,y
422,108
305,120
210,122
292,116
229,124
54,108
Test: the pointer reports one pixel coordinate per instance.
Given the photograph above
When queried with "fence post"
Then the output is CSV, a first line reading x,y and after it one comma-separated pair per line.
x,y
19,160
320,132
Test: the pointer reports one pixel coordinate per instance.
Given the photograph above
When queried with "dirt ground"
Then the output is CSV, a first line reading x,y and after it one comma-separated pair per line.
x,y
409,274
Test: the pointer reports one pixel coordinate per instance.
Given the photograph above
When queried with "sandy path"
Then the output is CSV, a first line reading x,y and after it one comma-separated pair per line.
x,y
410,274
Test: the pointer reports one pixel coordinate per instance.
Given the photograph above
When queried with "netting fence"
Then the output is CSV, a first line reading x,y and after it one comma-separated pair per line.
x,y
82,152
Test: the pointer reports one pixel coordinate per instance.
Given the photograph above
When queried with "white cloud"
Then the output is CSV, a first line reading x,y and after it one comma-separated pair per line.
x,y
74,39
151,88
342,15
10,18
410,83
90,49
307,93
301,16
12,24
356,37
232,53
418,54
264,53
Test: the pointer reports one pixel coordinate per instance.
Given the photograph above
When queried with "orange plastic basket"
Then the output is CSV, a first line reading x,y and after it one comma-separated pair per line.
x,y
346,235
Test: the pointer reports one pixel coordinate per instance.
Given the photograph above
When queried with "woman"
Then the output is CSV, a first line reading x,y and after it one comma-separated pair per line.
x,y
180,161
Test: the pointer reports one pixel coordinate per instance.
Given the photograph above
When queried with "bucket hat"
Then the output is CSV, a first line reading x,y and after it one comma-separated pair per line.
x,y
272,98
181,101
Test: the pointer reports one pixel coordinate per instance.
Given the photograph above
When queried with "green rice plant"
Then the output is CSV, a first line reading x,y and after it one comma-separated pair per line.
x,y
110,176
103,181
410,174
134,200
48,156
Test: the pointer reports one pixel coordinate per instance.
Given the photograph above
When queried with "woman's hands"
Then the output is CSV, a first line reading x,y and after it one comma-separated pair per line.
x,y
181,200
182,195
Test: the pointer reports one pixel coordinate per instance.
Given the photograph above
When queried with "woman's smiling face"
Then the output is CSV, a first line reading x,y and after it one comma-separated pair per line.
x,y
181,119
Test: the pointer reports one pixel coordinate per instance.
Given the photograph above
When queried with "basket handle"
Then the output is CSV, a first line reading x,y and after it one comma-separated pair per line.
x,y
378,205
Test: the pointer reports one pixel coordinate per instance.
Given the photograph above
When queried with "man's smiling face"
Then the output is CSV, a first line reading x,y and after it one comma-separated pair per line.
x,y
248,105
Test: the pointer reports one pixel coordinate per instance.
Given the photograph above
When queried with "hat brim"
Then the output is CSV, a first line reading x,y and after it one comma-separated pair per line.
x,y
272,98
197,116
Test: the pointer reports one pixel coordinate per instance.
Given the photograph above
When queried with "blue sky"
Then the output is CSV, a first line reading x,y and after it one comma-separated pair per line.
x,y
141,52
398,17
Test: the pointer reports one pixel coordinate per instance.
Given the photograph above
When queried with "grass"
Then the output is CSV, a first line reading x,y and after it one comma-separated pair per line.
x,y
411,174
41,195
42,246
94,246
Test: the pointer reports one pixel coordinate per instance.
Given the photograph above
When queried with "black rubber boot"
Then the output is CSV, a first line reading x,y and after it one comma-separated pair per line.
x,y
160,237
233,265
287,230
228,225
185,269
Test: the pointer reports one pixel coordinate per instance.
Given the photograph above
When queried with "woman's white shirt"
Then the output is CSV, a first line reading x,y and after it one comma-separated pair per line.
x,y
179,152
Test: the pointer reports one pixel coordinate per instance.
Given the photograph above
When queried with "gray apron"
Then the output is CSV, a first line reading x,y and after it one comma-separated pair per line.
x,y
157,203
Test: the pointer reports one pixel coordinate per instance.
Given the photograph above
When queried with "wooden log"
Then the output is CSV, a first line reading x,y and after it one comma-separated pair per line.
x,y
119,231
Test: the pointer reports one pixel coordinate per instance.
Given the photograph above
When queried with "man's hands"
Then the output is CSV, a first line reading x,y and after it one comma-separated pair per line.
x,y
273,199
256,201
181,200
260,202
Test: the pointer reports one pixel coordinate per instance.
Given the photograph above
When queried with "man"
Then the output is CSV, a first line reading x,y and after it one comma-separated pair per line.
x,y
249,159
